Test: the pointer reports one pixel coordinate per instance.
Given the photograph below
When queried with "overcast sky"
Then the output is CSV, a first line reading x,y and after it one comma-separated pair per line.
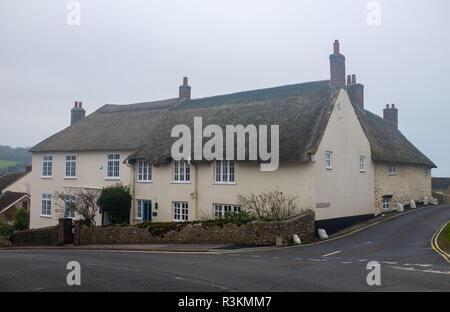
x,y
133,51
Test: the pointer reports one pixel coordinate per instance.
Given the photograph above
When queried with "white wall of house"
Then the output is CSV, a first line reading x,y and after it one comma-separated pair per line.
x,y
90,173
343,190
202,192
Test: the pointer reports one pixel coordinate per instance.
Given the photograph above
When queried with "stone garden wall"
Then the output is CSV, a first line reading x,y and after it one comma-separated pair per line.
x,y
37,237
257,233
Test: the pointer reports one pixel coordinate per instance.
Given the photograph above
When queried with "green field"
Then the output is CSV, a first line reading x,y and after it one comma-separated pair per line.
x,y
7,163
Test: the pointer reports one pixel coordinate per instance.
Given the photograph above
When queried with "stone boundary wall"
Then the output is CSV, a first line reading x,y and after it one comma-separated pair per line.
x,y
37,237
256,233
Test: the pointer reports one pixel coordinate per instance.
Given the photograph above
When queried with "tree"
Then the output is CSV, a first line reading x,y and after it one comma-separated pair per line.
x,y
21,219
81,201
272,205
115,200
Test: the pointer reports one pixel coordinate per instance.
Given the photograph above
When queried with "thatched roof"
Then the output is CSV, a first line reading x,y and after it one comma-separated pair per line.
x,y
387,143
301,111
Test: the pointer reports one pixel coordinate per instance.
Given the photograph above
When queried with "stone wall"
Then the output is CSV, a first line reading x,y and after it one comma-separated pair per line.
x,y
37,237
255,233
410,182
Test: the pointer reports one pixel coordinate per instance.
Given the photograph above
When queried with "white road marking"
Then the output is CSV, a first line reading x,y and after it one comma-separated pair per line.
x,y
36,289
389,262
317,260
417,270
421,265
363,260
346,262
332,253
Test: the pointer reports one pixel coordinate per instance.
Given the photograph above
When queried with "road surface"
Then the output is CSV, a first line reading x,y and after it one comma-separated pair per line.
x,y
401,246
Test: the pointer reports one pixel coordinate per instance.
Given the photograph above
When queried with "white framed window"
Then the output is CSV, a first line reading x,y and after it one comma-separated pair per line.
x,y
221,209
144,171
386,203
362,164
328,160
70,170
139,210
69,211
392,168
46,205
47,166
224,172
181,171
113,166
180,211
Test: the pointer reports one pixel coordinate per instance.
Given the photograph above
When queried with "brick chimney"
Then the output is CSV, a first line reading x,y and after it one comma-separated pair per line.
x,y
391,114
185,90
77,113
28,168
337,67
355,91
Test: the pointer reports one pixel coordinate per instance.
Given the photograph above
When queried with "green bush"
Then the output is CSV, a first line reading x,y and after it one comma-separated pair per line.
x,y
115,200
21,219
6,230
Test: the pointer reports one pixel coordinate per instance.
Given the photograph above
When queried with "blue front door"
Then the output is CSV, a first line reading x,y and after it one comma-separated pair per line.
x,y
147,211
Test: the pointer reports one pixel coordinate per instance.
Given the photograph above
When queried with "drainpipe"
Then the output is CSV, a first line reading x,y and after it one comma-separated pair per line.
x,y
194,192
133,192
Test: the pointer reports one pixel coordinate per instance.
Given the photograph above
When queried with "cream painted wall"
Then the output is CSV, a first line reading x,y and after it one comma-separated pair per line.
x,y
201,194
23,185
89,175
410,182
348,191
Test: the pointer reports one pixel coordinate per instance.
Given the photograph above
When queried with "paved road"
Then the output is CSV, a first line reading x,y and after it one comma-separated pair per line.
x,y
401,245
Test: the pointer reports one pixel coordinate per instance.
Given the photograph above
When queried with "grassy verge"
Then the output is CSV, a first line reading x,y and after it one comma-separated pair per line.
x,y
444,239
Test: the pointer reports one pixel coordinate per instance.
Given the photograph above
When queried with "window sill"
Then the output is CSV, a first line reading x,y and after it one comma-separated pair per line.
x,y
45,216
149,181
362,171
70,178
180,182
392,174
329,168
112,178
225,183
46,177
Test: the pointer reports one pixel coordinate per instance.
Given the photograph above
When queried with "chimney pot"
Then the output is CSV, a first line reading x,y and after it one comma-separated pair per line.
x,y
349,80
337,67
353,79
390,113
185,90
336,47
77,113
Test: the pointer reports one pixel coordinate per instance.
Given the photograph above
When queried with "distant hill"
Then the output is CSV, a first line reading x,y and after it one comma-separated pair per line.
x,y
14,159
